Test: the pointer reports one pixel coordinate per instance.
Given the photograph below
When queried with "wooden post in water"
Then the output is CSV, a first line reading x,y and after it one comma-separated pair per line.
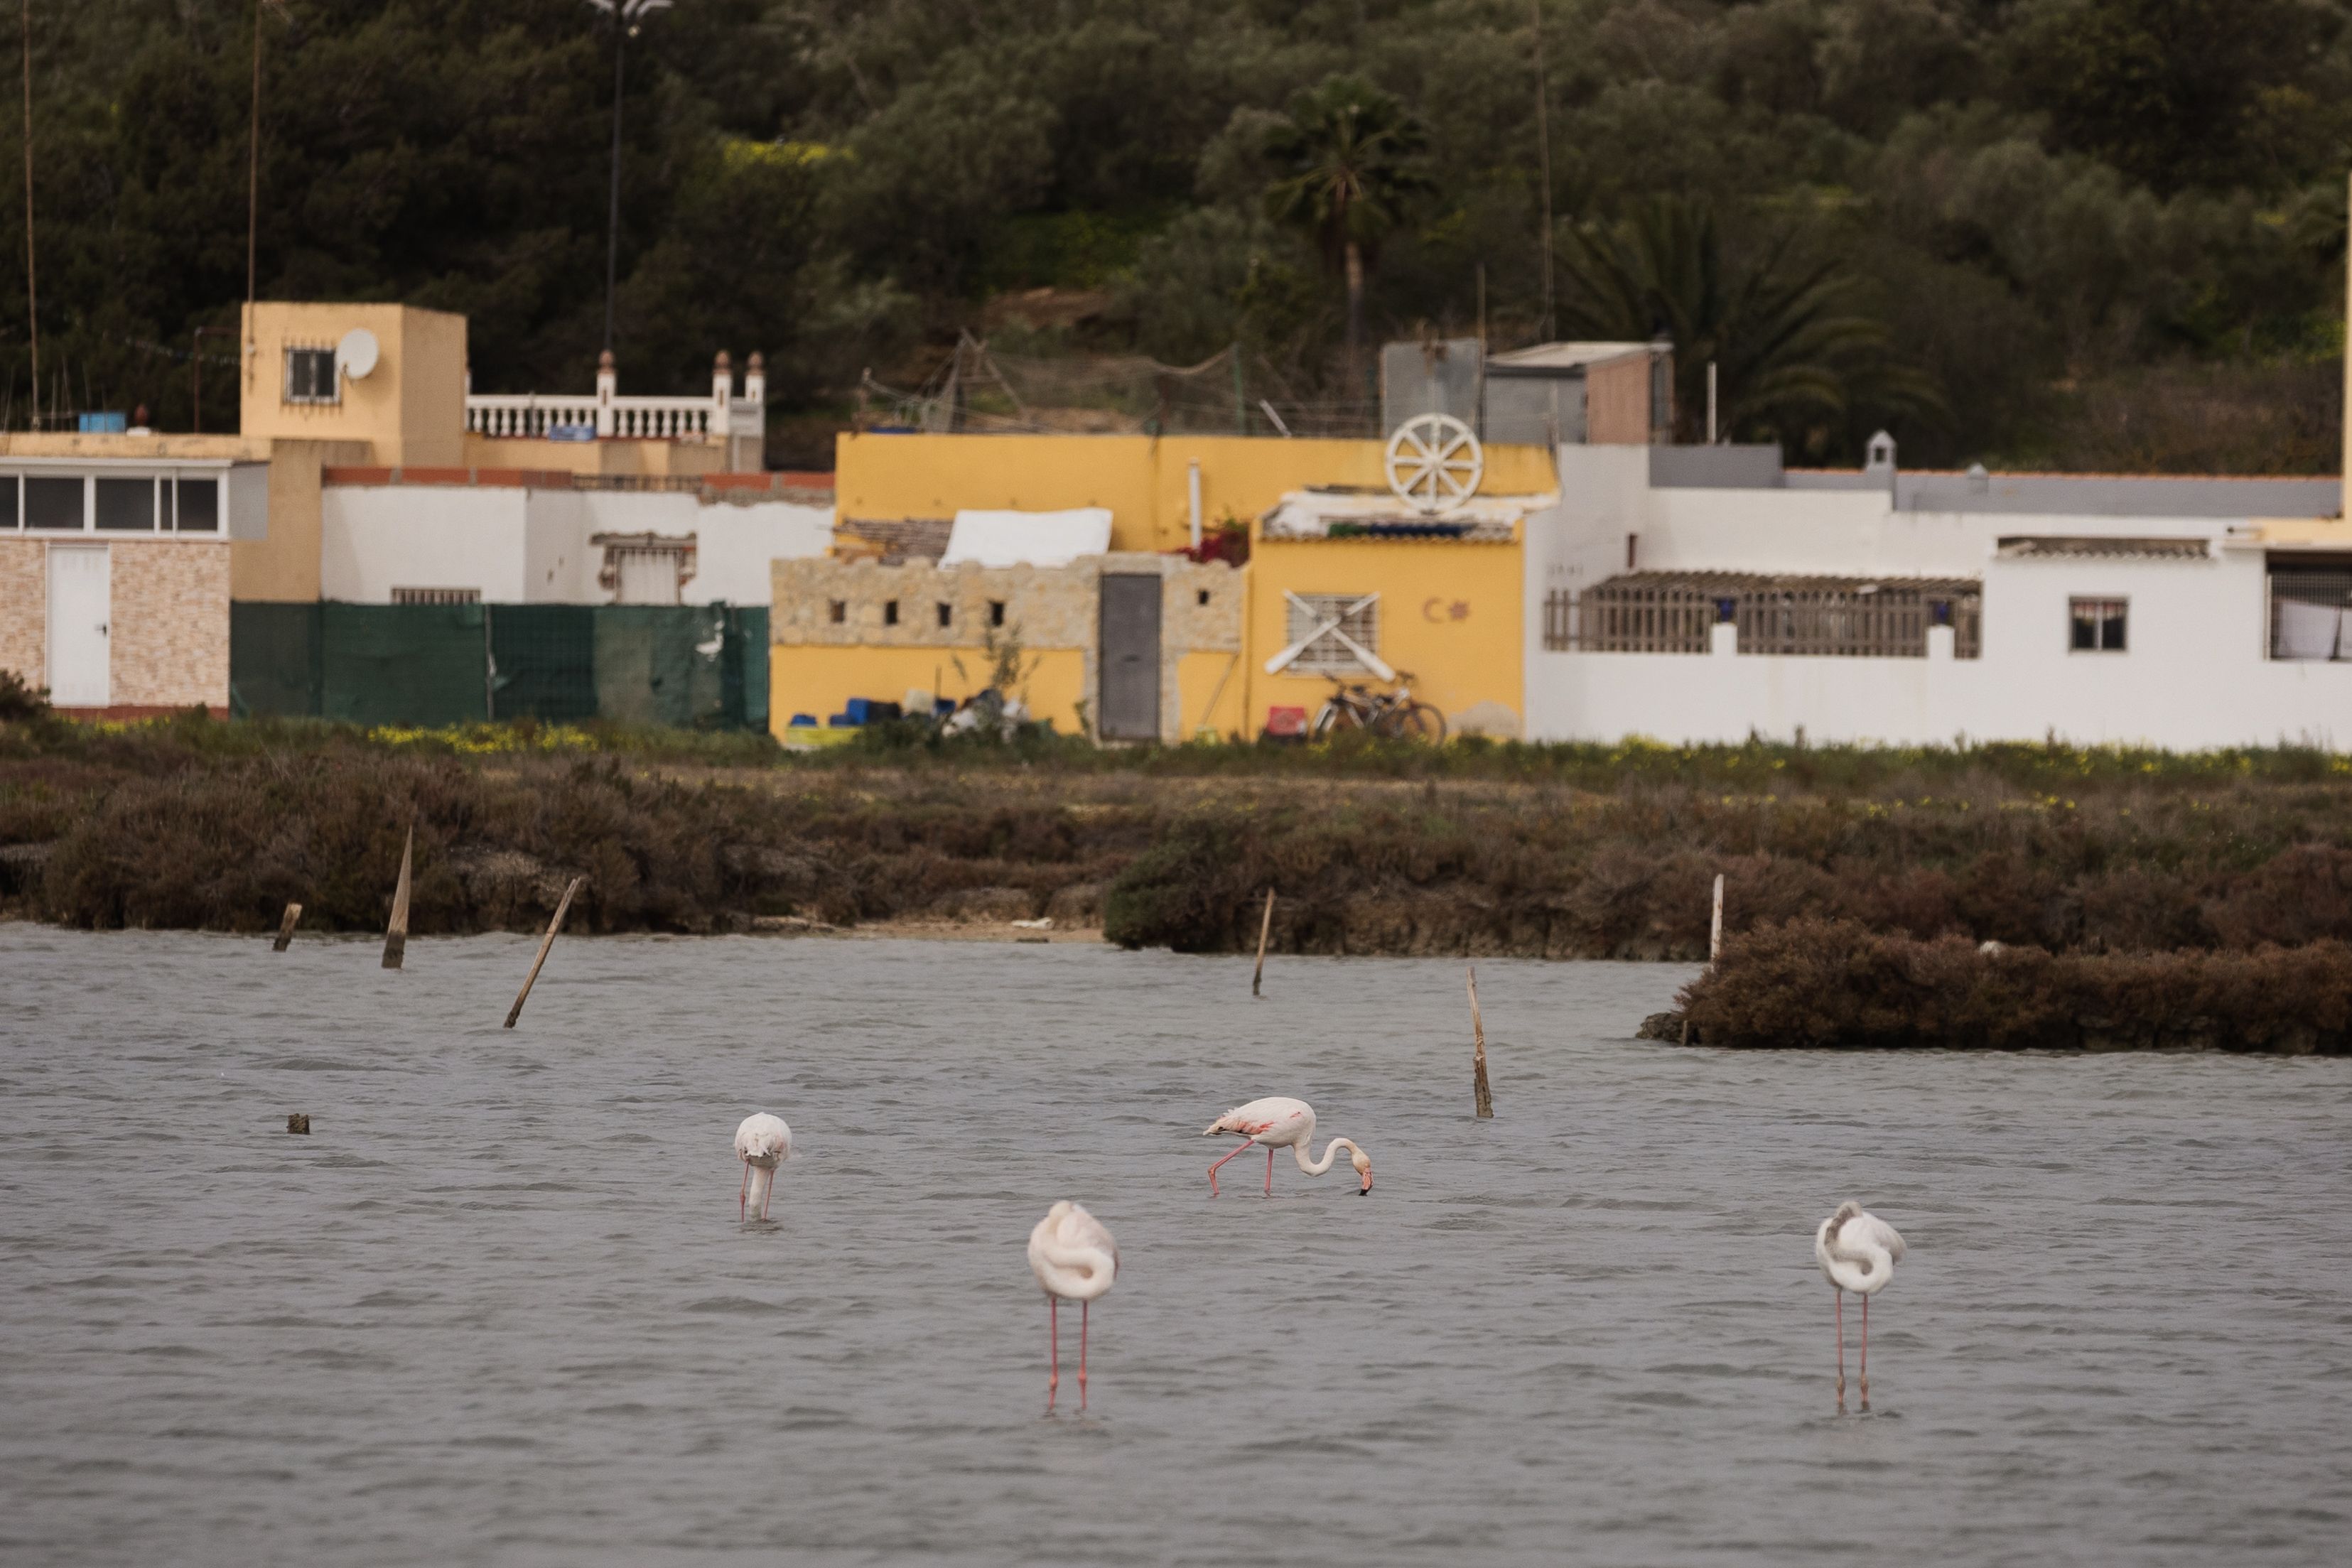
x,y
1265,925
1715,936
395,937
1479,1051
545,942
286,928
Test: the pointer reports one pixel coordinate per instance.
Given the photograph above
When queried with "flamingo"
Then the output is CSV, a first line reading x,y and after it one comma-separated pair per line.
x,y
1074,1258
1857,1251
1279,1123
762,1142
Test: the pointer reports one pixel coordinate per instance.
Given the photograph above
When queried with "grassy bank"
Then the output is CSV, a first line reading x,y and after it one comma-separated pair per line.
x,y
1561,852
1837,983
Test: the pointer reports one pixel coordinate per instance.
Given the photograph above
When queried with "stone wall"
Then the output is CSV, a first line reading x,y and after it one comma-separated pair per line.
x,y
170,624
1043,608
24,610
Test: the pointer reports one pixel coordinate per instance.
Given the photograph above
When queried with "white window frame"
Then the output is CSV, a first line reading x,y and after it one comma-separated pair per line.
x,y
162,477
2073,604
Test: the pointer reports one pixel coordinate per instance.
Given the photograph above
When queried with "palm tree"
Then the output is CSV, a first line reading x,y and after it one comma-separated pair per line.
x,y
1351,156
1784,333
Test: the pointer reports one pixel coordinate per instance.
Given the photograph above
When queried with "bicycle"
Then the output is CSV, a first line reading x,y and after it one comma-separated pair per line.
x,y
1392,715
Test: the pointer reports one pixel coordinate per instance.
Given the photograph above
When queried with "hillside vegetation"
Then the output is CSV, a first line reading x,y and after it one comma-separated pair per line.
x,y
2097,234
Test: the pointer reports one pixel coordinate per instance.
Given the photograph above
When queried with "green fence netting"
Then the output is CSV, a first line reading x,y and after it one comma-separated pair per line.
x,y
683,667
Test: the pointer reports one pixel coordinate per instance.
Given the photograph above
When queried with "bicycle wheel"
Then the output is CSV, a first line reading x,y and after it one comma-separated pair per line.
x,y
1331,715
1417,721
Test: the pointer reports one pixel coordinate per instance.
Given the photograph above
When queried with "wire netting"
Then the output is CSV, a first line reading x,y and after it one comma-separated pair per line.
x,y
682,666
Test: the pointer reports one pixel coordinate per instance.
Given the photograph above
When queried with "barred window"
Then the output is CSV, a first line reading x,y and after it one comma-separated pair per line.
x,y
311,376
1359,618
437,596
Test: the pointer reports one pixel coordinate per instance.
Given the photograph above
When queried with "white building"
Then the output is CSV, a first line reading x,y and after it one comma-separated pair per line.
x,y
1705,595
522,537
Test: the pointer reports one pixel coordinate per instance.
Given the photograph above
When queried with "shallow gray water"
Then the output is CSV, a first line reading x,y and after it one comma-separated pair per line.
x,y
498,1307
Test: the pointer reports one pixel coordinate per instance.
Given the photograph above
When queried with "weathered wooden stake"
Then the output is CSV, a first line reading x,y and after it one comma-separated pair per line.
x,y
1479,1051
1265,925
1715,936
395,937
299,1122
545,942
286,928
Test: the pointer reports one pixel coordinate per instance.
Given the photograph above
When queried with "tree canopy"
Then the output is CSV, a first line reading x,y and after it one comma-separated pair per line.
x,y
2008,229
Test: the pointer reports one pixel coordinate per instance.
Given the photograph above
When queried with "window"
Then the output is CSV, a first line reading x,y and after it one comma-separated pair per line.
x,y
11,513
836,610
127,504
1204,596
2308,607
52,503
311,376
437,596
996,612
1359,618
946,615
889,613
2098,625
197,510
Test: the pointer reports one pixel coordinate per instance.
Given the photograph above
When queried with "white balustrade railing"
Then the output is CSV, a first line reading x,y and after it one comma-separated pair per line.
x,y
607,414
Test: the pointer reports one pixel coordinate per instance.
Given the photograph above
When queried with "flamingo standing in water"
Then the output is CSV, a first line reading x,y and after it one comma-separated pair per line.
x,y
1074,1258
1278,1122
1857,1251
762,1142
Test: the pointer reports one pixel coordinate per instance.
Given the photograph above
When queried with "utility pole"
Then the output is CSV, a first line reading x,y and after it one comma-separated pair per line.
x,y
1543,159
628,15
32,296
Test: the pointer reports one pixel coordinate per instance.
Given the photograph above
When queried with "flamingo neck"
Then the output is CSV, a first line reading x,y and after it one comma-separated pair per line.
x,y
1330,1150
1863,1267
763,1181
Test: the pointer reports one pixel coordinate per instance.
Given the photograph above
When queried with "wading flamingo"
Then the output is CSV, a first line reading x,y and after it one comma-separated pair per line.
x,y
1074,1258
762,1142
1278,1122
1857,1251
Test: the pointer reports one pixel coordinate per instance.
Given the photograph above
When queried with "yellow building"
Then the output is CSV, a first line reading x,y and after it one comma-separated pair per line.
x,y
1437,600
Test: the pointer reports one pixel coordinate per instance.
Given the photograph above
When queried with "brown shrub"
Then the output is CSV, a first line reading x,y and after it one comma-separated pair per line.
x,y
1838,983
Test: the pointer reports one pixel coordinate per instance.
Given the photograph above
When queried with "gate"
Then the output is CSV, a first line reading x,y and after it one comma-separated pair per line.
x,y
1128,651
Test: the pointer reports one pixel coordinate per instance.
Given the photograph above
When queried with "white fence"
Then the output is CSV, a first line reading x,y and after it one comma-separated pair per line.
x,y
606,413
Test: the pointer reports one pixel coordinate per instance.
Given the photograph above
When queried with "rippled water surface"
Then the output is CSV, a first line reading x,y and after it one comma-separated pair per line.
x,y
497,1307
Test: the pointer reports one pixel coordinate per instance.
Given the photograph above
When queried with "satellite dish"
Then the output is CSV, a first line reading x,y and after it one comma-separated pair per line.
x,y
1434,463
356,354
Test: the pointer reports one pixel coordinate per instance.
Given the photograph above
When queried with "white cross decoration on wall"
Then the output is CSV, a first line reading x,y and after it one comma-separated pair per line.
x,y
1330,628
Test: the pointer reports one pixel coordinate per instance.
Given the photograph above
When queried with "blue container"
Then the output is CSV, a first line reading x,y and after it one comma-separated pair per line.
x,y
103,424
803,721
841,721
860,709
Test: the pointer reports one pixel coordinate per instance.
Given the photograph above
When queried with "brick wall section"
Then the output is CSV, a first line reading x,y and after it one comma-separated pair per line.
x,y
25,608
170,624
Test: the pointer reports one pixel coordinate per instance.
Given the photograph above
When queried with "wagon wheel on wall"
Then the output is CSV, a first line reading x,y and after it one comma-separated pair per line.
x,y
1434,463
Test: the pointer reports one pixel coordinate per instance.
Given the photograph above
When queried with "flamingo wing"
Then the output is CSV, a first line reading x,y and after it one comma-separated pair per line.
x,y
764,1137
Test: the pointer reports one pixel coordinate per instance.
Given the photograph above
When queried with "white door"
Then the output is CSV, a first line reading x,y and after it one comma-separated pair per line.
x,y
79,607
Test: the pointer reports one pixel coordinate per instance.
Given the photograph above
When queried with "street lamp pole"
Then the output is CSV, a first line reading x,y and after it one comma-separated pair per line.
x,y
627,16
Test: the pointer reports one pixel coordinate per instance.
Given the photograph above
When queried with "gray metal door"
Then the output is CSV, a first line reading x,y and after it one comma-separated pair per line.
x,y
1130,655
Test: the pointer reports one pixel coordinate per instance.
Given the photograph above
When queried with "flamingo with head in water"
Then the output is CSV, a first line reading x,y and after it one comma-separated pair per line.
x,y
1074,1258
1278,1123
762,1142
1857,1251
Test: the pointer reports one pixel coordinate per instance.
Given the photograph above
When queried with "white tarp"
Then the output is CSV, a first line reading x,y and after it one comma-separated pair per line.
x,y
2306,630
1027,538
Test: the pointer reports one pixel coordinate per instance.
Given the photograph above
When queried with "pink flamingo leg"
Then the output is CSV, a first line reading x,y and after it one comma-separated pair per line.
x,y
1866,1353
1082,1356
1269,1170
1245,1144
1052,1348
743,1196
1839,1296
